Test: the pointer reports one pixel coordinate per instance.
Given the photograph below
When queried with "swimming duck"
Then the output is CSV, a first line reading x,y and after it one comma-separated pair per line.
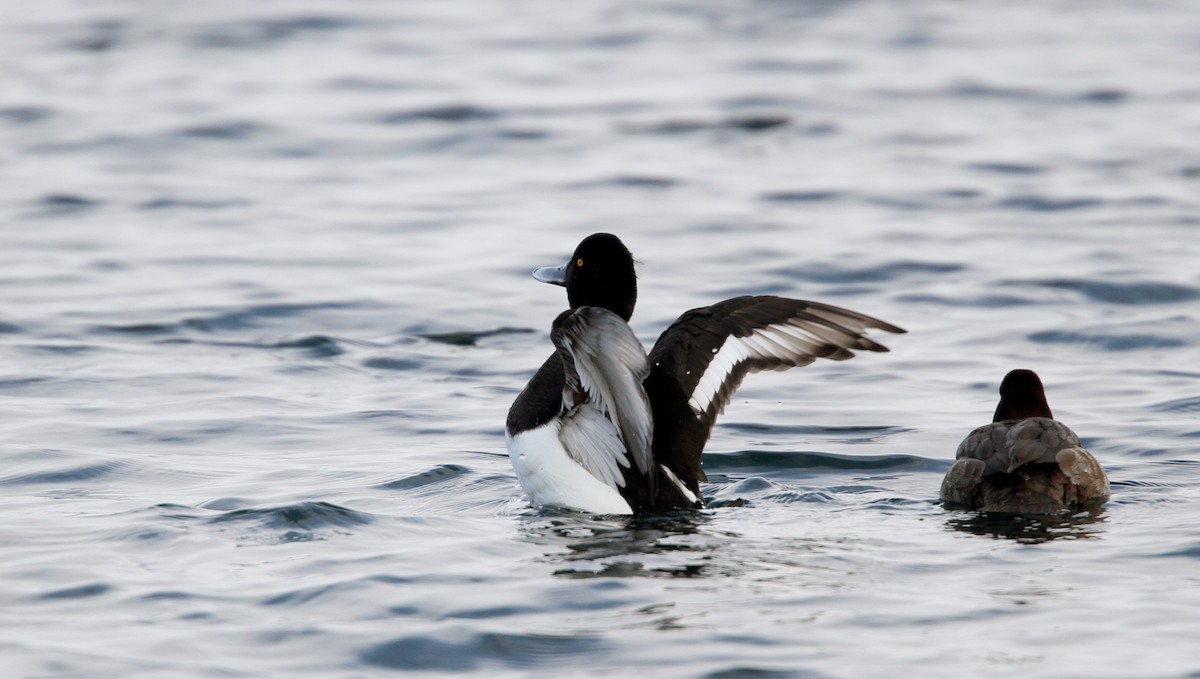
x,y
604,428
1025,461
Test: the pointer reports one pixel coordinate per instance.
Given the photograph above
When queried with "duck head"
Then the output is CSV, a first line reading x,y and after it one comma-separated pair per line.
x,y
599,273
1022,396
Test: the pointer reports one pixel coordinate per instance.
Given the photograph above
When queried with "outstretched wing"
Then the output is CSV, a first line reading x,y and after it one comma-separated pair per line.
x,y
608,413
708,351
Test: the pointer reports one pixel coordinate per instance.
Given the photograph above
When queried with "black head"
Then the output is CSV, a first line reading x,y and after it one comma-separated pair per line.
x,y
1021,396
600,273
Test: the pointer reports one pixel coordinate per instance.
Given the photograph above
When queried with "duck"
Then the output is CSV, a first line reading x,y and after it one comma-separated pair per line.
x,y
1025,461
605,427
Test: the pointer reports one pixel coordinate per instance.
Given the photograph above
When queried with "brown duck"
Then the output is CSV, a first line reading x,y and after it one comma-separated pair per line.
x,y
1025,461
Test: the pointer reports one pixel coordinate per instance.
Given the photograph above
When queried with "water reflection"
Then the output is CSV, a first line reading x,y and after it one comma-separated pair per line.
x,y
674,545
1031,528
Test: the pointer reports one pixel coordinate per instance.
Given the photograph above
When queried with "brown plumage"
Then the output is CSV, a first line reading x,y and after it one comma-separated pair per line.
x,y
1025,461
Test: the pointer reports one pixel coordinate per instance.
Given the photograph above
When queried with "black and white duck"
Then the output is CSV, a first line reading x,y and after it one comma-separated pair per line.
x,y
603,427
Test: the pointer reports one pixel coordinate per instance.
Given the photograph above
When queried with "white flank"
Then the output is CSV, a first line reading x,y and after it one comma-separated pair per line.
x,y
552,479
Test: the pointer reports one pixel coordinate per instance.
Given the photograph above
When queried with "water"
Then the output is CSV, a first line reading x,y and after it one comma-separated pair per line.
x,y
264,302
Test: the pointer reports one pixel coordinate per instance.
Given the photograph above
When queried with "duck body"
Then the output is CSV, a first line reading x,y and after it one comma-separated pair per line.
x,y
603,427
1025,461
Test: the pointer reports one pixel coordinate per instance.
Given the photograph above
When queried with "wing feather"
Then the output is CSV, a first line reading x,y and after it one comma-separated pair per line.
x,y
605,361
1006,445
594,442
708,351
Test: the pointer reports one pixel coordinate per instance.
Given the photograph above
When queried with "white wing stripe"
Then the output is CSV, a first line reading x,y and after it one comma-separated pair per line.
x,y
687,493
732,352
794,340
722,364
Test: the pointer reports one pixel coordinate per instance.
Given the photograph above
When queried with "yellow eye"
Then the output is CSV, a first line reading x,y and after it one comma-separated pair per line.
x,y
579,262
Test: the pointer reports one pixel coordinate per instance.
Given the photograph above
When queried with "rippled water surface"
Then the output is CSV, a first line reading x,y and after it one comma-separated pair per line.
x,y
264,302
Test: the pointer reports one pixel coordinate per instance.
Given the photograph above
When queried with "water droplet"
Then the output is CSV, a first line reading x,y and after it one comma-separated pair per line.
x,y
522,457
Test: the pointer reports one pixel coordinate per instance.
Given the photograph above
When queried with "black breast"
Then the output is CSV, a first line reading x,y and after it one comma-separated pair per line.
x,y
541,399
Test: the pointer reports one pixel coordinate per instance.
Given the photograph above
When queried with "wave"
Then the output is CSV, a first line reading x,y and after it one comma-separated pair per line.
x,y
813,461
740,123
1181,405
309,516
421,653
469,338
438,474
259,33
72,474
80,592
1107,341
236,319
1137,292
888,271
446,113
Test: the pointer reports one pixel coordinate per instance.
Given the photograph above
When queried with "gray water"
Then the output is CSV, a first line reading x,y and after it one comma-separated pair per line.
x,y
265,300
